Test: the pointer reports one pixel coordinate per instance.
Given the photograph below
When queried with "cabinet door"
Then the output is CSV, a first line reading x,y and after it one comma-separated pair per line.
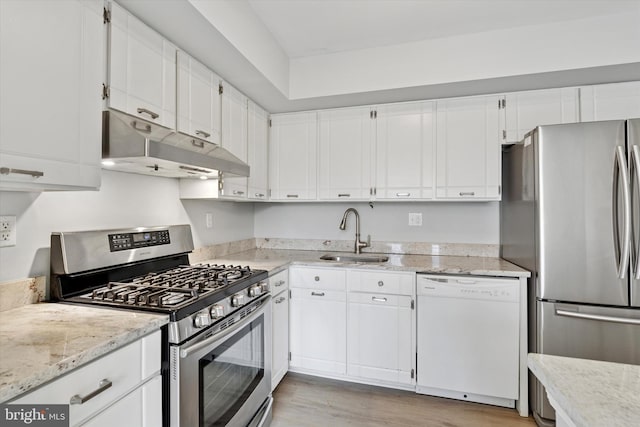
x,y
318,330
258,134
346,140
405,151
468,148
380,337
292,156
51,74
617,101
526,110
142,70
234,137
199,108
280,336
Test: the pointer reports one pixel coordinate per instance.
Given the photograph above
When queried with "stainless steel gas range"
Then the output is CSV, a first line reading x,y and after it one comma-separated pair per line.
x,y
217,345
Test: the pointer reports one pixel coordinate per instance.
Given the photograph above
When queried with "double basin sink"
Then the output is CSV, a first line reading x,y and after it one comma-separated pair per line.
x,y
365,258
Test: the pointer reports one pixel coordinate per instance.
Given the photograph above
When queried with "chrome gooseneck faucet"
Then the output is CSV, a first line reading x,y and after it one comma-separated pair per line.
x,y
343,224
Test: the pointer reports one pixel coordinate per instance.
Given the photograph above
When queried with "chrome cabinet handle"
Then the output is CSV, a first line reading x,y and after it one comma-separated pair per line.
x,y
149,112
102,386
614,319
403,194
279,300
344,195
278,283
317,278
295,196
635,156
622,253
199,144
378,299
317,294
467,193
7,171
259,195
238,192
380,283
144,128
203,133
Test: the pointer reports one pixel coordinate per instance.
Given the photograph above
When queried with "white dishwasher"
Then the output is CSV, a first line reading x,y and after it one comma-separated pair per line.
x,y
468,338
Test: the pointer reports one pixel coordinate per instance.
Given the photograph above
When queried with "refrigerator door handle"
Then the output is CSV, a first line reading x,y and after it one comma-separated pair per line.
x,y
614,319
620,170
635,159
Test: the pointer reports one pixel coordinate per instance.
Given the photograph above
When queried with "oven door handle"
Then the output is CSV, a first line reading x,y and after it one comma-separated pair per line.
x,y
185,352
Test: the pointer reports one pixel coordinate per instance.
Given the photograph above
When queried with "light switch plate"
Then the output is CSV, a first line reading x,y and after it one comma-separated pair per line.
x,y
208,219
7,231
415,219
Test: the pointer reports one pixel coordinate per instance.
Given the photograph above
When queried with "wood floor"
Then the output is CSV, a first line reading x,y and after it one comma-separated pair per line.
x,y
302,400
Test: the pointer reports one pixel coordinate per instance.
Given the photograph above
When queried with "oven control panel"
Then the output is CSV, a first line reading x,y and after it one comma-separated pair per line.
x,y
126,241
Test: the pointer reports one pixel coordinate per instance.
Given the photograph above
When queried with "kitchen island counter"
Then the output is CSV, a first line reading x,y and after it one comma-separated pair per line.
x,y
589,392
39,342
275,260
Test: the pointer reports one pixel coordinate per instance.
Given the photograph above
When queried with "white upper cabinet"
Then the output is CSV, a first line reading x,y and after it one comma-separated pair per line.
x,y
234,137
614,101
468,145
292,156
142,70
526,110
199,105
51,73
345,147
258,135
405,151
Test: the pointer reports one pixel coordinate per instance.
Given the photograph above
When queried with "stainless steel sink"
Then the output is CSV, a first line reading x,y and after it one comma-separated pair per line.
x,y
355,258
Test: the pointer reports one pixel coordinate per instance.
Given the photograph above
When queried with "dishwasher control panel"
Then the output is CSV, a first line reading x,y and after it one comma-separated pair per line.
x,y
470,287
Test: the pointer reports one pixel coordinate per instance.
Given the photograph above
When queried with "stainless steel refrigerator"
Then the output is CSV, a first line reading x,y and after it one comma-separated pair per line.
x,y
570,213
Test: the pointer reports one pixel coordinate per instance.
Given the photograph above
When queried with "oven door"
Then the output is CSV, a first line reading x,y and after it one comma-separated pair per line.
x,y
224,379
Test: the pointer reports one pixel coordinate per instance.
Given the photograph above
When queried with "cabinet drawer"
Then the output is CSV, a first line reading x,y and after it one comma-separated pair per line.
x,y
400,301
279,282
320,295
381,282
318,278
124,368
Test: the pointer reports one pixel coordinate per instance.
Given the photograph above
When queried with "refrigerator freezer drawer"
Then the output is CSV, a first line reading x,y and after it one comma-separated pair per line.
x,y
586,332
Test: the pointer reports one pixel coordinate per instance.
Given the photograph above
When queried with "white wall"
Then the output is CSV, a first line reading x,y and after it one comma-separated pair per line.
x,y
558,46
125,200
442,221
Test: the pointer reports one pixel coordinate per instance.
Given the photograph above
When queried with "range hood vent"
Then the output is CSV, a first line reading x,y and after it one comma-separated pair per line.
x,y
132,144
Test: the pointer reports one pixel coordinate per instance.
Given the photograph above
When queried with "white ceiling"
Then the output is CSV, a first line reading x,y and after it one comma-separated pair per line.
x,y
315,27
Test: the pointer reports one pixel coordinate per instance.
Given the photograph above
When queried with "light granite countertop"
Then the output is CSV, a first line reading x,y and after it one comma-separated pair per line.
x,y
39,342
591,393
275,260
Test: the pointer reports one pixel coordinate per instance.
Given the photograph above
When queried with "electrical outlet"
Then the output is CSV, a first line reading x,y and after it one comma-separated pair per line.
x,y
7,231
415,219
208,219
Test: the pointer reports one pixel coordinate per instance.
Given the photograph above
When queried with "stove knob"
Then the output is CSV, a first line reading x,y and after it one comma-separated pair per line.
x,y
217,311
255,290
202,319
264,286
237,300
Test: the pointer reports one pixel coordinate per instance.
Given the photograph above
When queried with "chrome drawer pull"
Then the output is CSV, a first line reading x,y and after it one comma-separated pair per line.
x,y
344,195
467,193
378,299
294,196
279,300
317,278
380,283
144,128
199,144
7,171
238,192
259,195
403,194
203,133
102,386
317,294
278,283
149,112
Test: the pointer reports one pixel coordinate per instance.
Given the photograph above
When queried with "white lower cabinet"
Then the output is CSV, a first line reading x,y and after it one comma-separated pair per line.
x,y
128,392
318,322
279,284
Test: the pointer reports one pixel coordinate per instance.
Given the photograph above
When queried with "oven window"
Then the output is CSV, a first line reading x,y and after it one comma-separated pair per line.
x,y
230,373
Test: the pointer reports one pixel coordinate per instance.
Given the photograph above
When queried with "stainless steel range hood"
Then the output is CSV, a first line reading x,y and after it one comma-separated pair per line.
x,y
132,144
